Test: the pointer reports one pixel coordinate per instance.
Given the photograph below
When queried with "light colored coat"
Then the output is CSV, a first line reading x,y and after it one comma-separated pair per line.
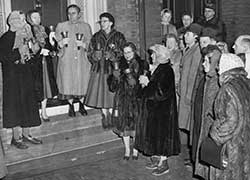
x,y
189,68
73,66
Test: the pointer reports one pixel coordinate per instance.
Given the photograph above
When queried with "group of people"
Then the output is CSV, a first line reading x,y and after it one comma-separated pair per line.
x,y
192,83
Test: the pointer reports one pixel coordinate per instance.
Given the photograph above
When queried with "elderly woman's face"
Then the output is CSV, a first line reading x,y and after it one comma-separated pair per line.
x,y
18,22
36,18
128,53
105,23
171,43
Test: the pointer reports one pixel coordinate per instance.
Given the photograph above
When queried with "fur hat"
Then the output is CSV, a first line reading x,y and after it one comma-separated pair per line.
x,y
109,16
209,32
229,61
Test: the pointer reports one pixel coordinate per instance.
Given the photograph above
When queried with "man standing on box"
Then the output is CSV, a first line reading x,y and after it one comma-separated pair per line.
x,y
73,37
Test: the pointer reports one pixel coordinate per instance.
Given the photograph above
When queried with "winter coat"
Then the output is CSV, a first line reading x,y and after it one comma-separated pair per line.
x,y
232,125
189,68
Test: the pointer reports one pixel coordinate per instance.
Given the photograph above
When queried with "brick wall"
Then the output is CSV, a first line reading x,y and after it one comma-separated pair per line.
x,y
236,15
126,18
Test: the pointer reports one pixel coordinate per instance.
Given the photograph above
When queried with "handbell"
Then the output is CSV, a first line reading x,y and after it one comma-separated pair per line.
x,y
65,35
79,37
116,65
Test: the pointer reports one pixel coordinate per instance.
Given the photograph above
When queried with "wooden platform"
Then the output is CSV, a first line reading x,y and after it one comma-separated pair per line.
x,y
65,141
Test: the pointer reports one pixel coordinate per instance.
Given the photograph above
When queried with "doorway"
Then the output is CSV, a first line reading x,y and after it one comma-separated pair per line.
x,y
52,11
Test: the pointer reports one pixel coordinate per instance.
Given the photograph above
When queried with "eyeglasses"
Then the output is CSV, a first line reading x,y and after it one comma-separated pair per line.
x,y
104,21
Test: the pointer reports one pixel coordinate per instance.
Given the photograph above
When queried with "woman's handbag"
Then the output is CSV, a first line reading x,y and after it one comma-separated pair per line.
x,y
213,154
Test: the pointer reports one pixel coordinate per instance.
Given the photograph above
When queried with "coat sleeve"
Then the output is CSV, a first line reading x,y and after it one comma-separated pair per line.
x,y
227,122
163,87
193,73
7,54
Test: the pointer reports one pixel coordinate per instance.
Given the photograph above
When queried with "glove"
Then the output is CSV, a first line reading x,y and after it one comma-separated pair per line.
x,y
81,44
116,73
97,55
132,82
109,55
143,80
52,37
24,53
65,41
44,52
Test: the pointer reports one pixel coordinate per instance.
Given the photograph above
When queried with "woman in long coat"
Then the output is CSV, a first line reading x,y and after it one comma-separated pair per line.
x,y
231,127
45,82
105,48
124,82
20,108
159,135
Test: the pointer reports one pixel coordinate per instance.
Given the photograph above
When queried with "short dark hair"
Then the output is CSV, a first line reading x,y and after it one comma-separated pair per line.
x,y
187,14
73,6
210,48
109,16
131,45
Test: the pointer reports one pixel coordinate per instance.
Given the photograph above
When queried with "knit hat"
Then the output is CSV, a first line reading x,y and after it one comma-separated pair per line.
x,y
229,61
194,28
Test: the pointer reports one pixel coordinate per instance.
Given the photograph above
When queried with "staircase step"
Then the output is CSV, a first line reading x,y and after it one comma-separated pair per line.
x,y
62,127
15,156
107,149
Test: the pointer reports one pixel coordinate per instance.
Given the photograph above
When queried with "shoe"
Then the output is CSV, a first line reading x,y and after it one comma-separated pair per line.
x,y
126,158
45,119
19,144
82,109
135,157
153,163
31,140
72,112
163,169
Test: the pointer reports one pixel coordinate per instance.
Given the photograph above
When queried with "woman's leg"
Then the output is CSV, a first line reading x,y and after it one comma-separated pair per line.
x,y
16,140
71,108
27,137
135,151
43,110
126,140
82,109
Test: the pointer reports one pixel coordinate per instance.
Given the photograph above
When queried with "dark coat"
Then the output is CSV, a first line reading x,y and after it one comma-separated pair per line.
x,y
157,130
98,94
232,125
19,102
43,74
217,25
126,96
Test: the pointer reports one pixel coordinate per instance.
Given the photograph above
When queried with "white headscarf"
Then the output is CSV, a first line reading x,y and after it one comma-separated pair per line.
x,y
229,61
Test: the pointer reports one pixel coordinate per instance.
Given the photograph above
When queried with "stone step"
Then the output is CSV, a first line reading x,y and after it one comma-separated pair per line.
x,y
62,127
106,149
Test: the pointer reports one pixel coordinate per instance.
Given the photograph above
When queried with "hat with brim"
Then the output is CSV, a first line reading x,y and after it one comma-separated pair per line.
x,y
195,28
210,6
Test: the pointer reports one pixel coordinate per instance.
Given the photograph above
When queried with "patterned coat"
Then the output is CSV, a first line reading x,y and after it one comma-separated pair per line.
x,y
232,125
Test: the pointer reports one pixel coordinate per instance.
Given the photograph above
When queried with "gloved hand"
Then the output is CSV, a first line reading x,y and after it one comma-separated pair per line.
x,y
24,53
65,41
109,55
116,73
97,55
143,80
44,52
52,37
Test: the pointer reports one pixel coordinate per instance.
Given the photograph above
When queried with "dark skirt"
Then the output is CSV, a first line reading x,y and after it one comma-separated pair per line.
x,y
98,94
20,107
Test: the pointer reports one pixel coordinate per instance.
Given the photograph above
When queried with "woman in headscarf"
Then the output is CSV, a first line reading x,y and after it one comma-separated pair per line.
x,y
159,136
45,82
231,127
20,108
106,47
